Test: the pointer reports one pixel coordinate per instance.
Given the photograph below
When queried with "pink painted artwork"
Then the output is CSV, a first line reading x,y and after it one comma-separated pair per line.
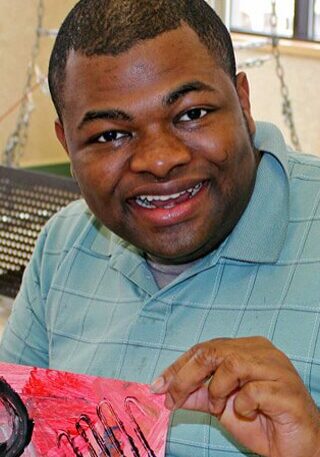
x,y
48,413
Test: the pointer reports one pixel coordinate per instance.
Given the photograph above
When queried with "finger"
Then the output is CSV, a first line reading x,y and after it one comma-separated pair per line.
x,y
224,345
234,372
190,376
271,398
198,400
161,383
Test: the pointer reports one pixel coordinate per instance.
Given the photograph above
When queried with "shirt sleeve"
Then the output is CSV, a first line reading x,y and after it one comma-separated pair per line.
x,y
25,339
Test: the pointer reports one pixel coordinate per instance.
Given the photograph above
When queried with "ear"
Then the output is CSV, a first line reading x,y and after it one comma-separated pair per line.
x,y
243,91
62,138
60,134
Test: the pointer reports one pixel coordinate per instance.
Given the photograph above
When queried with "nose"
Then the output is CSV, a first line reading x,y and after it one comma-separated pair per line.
x,y
159,154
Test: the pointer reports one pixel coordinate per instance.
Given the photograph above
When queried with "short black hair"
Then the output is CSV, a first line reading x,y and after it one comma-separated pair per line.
x,y
111,27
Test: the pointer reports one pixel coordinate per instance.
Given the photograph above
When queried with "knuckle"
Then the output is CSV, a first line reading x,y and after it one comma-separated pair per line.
x,y
233,363
204,355
174,378
252,390
262,341
197,347
172,371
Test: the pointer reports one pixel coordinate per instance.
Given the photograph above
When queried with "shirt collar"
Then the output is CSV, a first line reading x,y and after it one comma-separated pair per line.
x,y
124,258
261,231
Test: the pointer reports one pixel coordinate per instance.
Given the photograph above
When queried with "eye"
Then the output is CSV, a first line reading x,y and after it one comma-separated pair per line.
x,y
110,136
193,114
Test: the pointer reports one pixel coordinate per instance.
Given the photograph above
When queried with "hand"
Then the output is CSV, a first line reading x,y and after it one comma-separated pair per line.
x,y
254,391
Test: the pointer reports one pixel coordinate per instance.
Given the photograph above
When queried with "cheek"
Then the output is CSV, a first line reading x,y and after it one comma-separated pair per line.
x,y
220,143
235,164
214,148
96,172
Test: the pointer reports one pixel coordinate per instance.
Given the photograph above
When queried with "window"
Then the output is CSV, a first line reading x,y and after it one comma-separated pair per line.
x,y
298,19
316,20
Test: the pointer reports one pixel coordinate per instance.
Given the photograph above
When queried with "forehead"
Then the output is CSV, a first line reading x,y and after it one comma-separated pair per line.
x,y
154,65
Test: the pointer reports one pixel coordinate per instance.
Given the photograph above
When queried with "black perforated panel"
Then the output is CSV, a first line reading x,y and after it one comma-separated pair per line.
x,y
27,201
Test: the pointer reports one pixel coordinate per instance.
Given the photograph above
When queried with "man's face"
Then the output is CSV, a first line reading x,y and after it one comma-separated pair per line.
x,y
159,141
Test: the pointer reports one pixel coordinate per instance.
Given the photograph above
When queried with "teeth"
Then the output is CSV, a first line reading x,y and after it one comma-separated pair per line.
x,y
195,189
146,200
144,203
162,198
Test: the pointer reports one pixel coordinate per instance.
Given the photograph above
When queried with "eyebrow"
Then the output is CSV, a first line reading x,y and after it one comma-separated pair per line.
x,y
169,99
184,89
110,115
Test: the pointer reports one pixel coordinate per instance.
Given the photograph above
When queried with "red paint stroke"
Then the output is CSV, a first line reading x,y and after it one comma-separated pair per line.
x,y
87,416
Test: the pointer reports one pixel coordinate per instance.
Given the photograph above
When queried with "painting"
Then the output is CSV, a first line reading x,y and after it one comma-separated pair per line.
x,y
49,413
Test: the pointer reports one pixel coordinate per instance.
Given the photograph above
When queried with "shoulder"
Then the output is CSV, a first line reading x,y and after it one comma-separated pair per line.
x,y
71,239
65,227
75,227
64,231
304,179
304,166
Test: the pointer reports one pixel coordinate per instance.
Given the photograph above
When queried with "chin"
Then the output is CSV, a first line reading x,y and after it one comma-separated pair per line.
x,y
175,256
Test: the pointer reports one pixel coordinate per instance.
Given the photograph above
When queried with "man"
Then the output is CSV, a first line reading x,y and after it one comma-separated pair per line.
x,y
201,232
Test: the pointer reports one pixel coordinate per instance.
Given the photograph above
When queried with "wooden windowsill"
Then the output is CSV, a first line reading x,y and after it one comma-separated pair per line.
x,y
289,47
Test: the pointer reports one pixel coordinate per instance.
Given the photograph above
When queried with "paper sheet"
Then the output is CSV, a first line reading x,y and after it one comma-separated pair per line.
x,y
79,415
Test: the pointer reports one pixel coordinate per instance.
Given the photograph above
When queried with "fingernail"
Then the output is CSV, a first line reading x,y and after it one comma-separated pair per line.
x,y
157,385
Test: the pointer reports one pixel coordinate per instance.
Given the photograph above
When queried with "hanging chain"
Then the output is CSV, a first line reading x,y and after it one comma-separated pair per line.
x,y
18,139
256,62
286,102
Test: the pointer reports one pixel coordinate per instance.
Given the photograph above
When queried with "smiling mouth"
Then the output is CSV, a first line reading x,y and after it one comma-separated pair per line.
x,y
168,201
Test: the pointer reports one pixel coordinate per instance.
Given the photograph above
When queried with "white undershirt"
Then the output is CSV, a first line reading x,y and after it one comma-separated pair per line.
x,y
164,274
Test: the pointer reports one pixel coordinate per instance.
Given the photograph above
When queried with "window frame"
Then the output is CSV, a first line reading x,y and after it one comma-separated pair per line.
x,y
303,24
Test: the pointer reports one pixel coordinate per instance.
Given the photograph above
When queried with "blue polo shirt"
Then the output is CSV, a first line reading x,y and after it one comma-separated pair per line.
x,y
89,303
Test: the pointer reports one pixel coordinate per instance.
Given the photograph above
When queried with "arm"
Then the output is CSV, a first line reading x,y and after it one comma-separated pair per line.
x,y
25,338
254,391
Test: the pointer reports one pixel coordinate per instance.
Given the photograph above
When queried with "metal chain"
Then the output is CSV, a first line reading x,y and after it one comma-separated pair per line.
x,y
286,102
256,44
253,63
18,139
